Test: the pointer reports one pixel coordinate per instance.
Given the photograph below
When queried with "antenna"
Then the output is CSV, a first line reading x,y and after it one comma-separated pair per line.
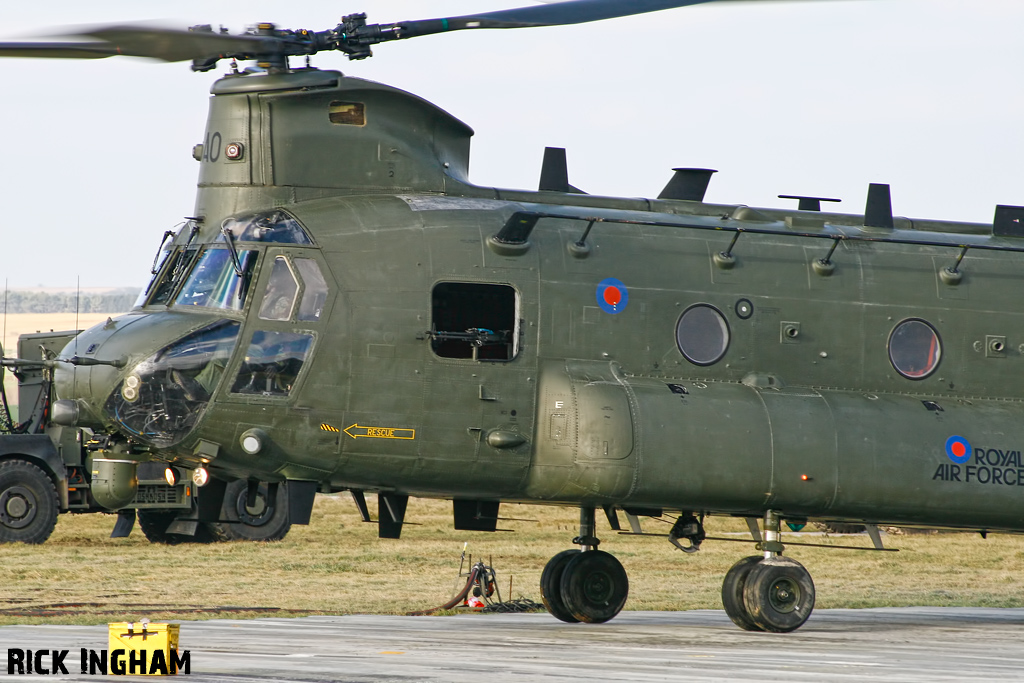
x,y
78,299
6,423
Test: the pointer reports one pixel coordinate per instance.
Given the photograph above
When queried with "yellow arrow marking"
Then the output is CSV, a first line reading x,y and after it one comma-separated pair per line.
x,y
356,431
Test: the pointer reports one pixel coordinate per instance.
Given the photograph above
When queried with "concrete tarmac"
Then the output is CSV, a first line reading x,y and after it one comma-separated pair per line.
x,y
893,644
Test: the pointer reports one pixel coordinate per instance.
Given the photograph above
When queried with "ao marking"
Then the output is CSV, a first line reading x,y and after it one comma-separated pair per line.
x,y
356,431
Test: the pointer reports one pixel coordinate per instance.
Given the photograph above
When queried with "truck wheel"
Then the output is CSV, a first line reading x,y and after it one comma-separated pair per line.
x,y
154,525
28,503
262,522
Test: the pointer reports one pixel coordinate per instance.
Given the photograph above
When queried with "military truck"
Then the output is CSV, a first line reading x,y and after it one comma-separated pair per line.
x,y
46,470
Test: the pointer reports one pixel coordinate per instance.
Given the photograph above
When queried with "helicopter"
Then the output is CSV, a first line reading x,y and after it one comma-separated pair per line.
x,y
345,311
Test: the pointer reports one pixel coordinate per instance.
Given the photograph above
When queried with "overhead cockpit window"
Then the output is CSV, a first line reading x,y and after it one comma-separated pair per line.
x,y
914,349
281,290
272,363
315,294
272,227
472,320
215,281
702,334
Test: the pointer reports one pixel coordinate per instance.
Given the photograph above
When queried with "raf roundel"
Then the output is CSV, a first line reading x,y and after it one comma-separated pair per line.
x,y
612,295
958,449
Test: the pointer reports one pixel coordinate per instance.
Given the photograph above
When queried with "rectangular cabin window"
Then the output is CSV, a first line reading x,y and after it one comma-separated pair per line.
x,y
347,113
472,320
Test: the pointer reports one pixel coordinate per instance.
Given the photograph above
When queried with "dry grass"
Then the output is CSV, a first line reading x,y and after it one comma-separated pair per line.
x,y
338,565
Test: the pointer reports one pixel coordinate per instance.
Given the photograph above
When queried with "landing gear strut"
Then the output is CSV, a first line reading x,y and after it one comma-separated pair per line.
x,y
769,593
588,584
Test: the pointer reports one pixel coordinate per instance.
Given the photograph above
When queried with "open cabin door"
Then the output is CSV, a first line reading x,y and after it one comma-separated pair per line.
x,y
481,384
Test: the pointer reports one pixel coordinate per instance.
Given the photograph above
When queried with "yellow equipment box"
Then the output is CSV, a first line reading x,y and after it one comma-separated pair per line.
x,y
143,649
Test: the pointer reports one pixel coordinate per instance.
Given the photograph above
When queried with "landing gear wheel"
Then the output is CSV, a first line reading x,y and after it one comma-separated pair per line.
x,y
779,594
594,586
732,592
261,522
551,585
154,525
28,503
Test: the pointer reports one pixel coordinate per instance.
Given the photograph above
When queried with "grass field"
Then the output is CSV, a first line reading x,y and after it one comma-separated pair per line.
x,y
337,565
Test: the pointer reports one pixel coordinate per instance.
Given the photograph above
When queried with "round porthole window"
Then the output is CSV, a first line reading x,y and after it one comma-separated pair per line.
x,y
914,349
702,334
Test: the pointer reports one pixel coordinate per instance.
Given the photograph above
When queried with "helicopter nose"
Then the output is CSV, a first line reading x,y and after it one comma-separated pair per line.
x,y
147,376
91,363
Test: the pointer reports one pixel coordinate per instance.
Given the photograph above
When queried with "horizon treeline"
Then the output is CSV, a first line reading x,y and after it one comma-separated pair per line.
x,y
111,301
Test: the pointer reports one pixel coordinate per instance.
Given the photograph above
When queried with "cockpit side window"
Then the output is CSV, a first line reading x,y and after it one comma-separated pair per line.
x,y
474,320
272,363
315,294
294,280
279,299
214,281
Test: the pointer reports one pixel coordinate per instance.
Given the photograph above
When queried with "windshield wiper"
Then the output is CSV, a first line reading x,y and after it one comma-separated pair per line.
x,y
156,258
234,252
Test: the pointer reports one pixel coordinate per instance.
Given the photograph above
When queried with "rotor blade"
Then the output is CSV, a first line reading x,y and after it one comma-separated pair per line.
x,y
169,45
58,50
173,45
555,14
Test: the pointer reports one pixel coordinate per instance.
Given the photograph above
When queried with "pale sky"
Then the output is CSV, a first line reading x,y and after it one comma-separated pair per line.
x,y
817,98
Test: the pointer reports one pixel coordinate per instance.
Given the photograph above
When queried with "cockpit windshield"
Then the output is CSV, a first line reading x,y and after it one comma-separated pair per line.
x,y
163,396
179,263
214,281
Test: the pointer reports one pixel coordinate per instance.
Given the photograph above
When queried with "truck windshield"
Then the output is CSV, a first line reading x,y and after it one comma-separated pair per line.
x,y
214,283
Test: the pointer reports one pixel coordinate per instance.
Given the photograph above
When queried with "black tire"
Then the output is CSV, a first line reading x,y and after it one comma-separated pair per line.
x,y
594,586
28,503
732,592
779,595
551,586
262,523
154,525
